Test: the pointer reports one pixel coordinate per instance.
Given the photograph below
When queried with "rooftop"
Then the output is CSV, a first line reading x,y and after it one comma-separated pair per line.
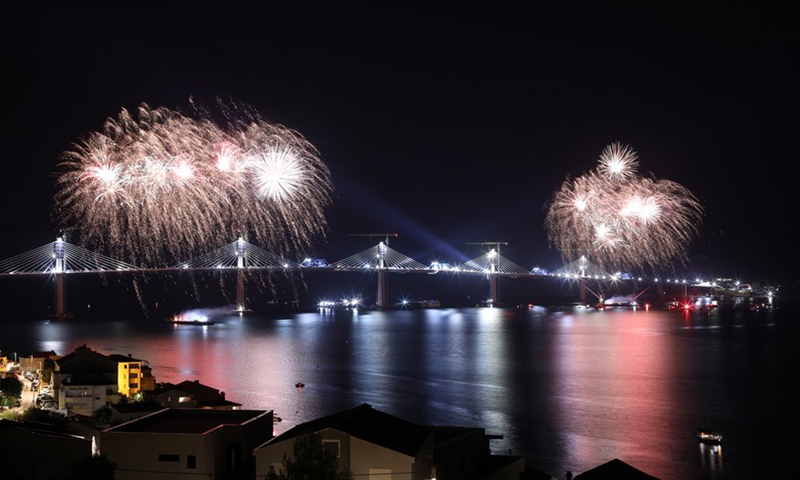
x,y
188,421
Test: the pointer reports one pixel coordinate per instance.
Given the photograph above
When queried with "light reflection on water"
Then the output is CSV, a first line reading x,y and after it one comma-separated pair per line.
x,y
570,389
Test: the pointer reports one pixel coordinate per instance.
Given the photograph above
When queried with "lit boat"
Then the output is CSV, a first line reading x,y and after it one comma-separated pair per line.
x,y
708,435
421,304
184,320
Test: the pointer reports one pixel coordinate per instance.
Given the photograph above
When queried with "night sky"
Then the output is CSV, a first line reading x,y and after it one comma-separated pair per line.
x,y
445,133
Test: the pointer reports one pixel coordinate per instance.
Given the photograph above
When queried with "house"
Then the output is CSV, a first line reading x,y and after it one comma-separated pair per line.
x,y
177,443
34,450
84,381
36,361
148,380
129,374
193,394
125,412
370,443
616,469
366,441
465,453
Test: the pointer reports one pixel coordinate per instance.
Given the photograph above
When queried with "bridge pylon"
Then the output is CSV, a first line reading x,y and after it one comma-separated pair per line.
x,y
494,259
241,249
59,249
381,296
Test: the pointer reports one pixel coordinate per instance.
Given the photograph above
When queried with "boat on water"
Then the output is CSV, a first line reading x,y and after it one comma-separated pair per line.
x,y
708,435
411,304
184,320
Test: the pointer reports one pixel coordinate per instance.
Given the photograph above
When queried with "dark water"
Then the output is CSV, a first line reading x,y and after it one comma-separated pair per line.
x,y
570,389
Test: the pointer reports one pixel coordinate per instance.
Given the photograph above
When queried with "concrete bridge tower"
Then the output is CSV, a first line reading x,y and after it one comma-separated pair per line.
x,y
59,253
241,250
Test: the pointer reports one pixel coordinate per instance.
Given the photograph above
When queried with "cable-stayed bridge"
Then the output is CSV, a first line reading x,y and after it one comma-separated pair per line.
x,y
62,259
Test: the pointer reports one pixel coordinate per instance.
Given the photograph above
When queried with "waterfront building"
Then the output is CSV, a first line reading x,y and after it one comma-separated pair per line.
x,y
32,450
187,443
129,374
35,361
192,393
367,442
85,380
370,443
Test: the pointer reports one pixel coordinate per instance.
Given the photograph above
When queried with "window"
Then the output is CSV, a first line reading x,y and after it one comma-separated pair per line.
x,y
331,446
191,461
168,457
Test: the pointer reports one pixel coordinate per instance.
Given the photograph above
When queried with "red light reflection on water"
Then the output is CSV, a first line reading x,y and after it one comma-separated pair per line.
x,y
613,373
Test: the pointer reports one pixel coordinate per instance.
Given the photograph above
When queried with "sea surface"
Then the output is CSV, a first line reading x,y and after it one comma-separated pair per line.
x,y
569,388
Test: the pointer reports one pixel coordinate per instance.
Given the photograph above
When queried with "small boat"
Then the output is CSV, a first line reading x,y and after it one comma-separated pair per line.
x,y
299,384
184,320
410,304
708,435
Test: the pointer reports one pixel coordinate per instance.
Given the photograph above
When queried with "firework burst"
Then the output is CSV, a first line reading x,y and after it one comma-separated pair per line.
x,y
618,161
621,220
159,187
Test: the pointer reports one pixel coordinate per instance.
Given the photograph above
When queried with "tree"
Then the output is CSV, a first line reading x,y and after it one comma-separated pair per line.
x,y
309,461
33,414
11,387
103,414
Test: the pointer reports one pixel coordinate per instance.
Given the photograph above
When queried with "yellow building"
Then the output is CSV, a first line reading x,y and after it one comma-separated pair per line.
x,y
129,374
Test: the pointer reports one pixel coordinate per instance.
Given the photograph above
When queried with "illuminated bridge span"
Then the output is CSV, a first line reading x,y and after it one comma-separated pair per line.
x,y
61,259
